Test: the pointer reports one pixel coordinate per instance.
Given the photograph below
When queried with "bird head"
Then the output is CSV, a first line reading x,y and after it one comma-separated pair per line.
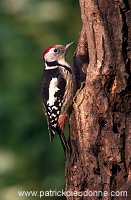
x,y
56,52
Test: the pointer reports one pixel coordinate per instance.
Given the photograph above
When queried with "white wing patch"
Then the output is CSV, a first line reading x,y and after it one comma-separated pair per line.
x,y
52,90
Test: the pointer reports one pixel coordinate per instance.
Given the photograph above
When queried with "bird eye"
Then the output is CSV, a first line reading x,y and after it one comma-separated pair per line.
x,y
55,50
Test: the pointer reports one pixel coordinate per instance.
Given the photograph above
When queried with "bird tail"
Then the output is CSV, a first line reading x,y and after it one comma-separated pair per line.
x,y
63,140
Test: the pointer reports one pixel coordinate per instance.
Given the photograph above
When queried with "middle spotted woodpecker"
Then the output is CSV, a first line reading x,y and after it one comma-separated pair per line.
x,y
58,89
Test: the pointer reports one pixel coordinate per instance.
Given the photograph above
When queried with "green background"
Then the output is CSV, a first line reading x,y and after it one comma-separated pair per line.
x,y
28,161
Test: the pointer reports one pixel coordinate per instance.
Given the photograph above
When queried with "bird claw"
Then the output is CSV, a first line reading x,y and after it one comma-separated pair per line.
x,y
79,90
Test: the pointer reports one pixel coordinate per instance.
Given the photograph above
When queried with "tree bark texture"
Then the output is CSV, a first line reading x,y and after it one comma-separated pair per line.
x,y
100,129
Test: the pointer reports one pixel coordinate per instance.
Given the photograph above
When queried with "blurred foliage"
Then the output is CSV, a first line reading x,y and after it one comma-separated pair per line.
x,y
28,161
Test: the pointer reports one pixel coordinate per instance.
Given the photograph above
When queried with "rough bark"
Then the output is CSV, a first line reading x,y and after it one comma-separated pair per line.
x,y
100,122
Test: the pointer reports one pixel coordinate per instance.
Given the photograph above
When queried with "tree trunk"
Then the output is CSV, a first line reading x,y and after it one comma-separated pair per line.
x,y
99,125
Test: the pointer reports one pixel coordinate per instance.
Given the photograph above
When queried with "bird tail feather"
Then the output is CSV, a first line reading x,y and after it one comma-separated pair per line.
x,y
63,140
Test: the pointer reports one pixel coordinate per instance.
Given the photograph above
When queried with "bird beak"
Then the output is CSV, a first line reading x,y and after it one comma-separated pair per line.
x,y
68,45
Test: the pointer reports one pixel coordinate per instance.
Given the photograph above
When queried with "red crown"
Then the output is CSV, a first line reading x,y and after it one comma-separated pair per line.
x,y
47,50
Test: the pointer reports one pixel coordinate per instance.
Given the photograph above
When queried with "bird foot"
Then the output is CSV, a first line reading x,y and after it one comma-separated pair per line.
x,y
78,91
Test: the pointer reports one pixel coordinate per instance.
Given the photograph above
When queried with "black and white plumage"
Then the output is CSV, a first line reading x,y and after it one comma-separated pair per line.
x,y
58,88
53,88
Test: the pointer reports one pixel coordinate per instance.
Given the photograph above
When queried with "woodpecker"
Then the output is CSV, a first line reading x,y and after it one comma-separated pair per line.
x,y
58,89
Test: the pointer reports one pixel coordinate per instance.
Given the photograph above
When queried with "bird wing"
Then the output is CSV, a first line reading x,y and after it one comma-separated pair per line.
x,y
53,89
